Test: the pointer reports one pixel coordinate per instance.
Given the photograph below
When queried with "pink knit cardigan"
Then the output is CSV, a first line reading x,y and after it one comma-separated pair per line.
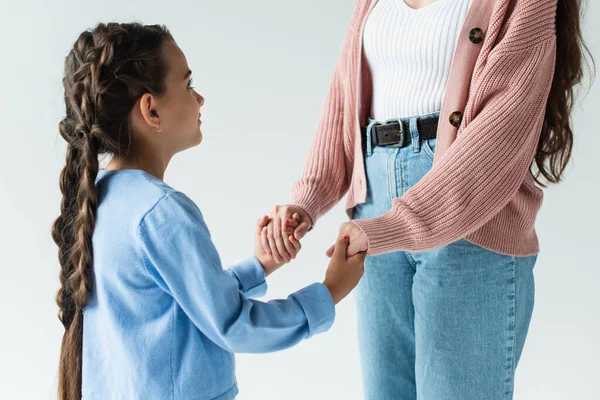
x,y
479,187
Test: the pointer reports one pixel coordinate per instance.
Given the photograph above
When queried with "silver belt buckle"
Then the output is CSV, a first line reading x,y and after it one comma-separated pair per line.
x,y
394,136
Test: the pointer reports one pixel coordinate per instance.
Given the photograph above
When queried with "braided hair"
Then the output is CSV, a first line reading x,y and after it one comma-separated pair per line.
x,y
108,69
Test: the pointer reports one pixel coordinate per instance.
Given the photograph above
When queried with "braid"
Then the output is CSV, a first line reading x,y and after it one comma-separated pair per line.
x,y
73,229
81,276
87,203
63,237
98,103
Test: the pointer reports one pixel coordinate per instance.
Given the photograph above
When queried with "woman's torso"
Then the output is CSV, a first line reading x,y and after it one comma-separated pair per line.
x,y
409,52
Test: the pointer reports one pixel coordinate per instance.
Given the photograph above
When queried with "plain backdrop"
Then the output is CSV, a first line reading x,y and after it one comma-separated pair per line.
x,y
263,68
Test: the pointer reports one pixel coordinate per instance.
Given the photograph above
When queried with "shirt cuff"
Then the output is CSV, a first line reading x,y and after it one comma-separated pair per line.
x,y
251,277
318,306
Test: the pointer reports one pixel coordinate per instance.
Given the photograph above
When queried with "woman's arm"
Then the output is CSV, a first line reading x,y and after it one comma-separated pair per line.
x,y
327,172
326,175
485,166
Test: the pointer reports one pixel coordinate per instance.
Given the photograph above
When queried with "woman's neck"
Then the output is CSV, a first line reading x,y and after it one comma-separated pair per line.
x,y
416,4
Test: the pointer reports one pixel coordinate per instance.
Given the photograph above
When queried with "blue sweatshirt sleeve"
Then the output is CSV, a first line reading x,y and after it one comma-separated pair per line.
x,y
250,276
180,257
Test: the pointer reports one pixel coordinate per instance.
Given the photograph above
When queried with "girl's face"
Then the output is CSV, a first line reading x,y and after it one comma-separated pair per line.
x,y
179,107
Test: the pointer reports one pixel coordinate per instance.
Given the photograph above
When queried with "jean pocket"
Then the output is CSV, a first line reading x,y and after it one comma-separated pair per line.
x,y
428,146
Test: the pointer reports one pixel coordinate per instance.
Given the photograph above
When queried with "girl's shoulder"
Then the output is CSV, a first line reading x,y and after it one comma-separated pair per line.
x,y
139,196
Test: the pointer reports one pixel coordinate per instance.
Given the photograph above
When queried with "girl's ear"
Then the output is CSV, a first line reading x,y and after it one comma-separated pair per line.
x,y
149,111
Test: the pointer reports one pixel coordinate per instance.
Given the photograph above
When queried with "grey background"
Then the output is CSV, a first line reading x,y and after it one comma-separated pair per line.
x,y
263,68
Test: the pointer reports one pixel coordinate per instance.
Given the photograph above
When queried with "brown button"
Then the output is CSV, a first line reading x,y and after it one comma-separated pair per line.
x,y
456,118
476,35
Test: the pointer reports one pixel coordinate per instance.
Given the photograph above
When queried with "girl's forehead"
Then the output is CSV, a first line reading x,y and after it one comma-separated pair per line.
x,y
176,61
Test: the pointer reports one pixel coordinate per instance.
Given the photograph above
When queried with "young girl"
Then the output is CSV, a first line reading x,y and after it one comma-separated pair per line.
x,y
162,318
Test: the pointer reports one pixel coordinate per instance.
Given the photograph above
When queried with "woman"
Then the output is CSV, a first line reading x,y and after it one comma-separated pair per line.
x,y
440,118
162,318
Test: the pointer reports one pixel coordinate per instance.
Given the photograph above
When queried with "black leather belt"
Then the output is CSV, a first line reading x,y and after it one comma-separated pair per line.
x,y
395,134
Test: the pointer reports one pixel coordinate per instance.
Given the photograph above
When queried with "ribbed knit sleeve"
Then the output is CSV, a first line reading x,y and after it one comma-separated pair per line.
x,y
328,169
487,163
324,178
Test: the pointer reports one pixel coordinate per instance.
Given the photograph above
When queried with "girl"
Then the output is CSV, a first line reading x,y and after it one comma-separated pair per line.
x,y
484,88
162,318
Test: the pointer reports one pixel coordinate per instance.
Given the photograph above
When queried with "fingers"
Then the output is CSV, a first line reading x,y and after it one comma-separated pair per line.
x,y
303,227
340,247
292,223
295,242
289,246
272,246
265,239
261,223
275,235
301,230
353,249
297,217
341,233
279,243
290,226
330,251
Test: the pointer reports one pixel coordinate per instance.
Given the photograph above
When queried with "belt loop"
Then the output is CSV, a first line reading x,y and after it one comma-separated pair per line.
x,y
368,133
414,134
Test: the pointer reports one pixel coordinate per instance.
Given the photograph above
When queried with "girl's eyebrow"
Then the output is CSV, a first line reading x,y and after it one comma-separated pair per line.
x,y
187,74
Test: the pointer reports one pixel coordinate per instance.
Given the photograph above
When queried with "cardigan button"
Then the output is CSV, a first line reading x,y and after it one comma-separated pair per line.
x,y
476,35
456,118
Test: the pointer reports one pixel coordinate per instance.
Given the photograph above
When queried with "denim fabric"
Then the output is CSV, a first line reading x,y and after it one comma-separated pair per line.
x,y
444,324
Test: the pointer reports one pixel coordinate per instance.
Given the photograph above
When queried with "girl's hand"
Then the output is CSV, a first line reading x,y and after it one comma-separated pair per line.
x,y
266,260
343,273
276,241
358,240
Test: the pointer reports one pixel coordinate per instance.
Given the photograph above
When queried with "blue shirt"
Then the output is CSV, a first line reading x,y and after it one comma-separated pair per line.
x,y
164,318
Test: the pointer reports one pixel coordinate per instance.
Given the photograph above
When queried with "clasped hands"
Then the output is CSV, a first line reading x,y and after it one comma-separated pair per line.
x,y
277,239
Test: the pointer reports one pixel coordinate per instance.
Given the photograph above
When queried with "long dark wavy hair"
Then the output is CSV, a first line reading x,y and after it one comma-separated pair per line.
x,y
556,140
109,68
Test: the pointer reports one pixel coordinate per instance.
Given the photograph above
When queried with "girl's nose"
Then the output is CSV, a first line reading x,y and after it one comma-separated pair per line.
x,y
200,99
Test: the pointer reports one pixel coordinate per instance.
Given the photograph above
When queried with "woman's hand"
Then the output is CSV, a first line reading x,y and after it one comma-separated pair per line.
x,y
266,260
275,238
358,241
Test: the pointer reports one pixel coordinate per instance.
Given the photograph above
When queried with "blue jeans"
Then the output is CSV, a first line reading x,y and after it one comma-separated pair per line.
x,y
444,324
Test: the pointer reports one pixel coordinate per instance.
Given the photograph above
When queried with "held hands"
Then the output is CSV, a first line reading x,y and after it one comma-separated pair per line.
x,y
266,260
358,240
274,237
347,258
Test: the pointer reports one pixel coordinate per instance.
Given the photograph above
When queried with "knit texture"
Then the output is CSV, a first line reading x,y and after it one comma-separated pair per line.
x,y
409,52
480,187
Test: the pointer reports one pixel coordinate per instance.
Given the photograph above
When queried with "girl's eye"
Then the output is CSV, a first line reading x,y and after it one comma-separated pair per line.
x,y
190,84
